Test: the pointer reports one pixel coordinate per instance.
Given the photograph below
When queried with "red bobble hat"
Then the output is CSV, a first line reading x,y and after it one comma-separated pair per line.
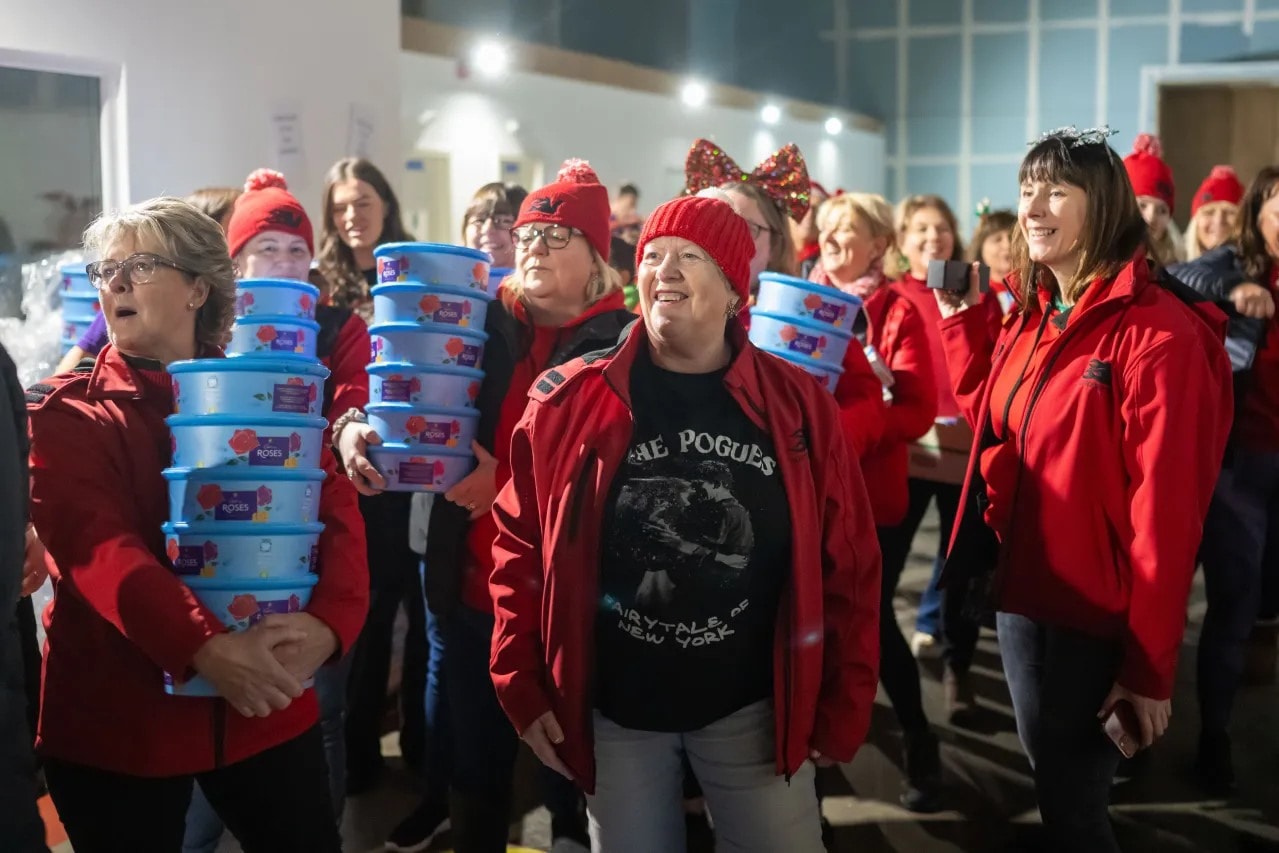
x,y
1148,172
1222,184
577,199
267,205
715,227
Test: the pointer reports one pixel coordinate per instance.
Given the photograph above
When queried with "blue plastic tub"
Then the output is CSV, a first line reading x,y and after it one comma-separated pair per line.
x,y
275,336
423,303
496,276
421,426
244,493
403,382
420,469
787,296
242,550
277,297
817,341
827,374
75,279
272,441
427,344
433,263
80,307
248,385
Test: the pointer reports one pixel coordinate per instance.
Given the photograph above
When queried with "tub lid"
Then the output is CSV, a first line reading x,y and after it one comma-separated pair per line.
x,y
289,283
450,289
406,408
250,584
239,528
398,448
812,287
81,297
804,361
436,328
277,320
502,272
244,421
821,328
242,472
431,249
74,270
249,364
380,368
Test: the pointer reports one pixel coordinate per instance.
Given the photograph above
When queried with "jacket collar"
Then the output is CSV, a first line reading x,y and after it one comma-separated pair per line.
x,y
610,302
1126,286
114,378
742,375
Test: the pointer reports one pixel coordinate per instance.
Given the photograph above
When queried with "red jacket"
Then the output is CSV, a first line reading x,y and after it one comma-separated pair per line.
x,y
120,617
564,456
860,397
345,352
1109,478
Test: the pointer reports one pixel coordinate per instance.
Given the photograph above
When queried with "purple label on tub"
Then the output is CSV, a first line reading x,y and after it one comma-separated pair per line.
x,y
436,432
806,344
469,356
291,398
284,341
451,312
236,506
388,269
270,451
285,605
830,312
417,473
314,561
190,560
395,390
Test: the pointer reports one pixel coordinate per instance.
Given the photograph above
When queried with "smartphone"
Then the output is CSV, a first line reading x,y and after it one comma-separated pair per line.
x,y
952,276
1122,728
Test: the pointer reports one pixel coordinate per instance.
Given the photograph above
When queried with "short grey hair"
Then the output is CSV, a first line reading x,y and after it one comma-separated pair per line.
x,y
191,240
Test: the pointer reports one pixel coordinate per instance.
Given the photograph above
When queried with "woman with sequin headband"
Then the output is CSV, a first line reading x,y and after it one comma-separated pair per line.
x,y
1102,413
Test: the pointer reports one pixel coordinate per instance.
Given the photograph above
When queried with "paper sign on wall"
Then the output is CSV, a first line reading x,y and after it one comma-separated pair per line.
x,y
359,137
286,134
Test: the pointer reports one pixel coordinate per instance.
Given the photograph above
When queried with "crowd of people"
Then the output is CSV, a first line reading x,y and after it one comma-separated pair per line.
x,y
672,572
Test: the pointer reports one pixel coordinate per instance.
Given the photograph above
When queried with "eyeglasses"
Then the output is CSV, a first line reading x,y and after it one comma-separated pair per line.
x,y
556,236
756,229
138,269
500,221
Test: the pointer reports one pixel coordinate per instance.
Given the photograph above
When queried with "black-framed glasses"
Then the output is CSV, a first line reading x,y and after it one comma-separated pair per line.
x,y
556,236
501,221
138,268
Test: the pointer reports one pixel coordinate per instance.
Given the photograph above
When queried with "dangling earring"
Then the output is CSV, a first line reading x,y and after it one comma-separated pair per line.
x,y
732,309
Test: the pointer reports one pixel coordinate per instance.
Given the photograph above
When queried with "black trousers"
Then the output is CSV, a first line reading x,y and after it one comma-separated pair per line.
x,y
394,577
278,800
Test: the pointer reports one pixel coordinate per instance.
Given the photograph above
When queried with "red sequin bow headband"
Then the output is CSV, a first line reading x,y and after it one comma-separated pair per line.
x,y
783,176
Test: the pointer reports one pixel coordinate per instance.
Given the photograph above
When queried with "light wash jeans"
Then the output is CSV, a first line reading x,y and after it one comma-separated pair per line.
x,y
639,788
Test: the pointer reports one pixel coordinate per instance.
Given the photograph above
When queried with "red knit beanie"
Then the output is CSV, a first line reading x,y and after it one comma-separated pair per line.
x,y
1222,184
1147,171
267,205
715,227
577,199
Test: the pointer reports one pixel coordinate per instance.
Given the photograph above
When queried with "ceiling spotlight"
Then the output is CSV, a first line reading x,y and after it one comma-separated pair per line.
x,y
834,125
491,59
770,114
694,94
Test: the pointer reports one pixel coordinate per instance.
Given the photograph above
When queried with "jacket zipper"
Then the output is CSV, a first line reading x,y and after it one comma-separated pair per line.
x,y
579,488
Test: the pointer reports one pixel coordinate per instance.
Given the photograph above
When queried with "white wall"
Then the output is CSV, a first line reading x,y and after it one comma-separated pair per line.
x,y
626,135
191,87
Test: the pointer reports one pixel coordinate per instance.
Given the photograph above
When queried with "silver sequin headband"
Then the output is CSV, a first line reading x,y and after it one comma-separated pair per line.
x,y
1077,137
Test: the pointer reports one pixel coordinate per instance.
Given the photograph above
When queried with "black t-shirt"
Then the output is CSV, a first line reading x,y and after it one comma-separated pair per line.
x,y
695,553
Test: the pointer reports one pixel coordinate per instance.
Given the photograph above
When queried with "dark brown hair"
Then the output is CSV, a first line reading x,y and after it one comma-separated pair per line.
x,y
988,226
496,199
337,261
1113,227
214,202
781,249
1252,244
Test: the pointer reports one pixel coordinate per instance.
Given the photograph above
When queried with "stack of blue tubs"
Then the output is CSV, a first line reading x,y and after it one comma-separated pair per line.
x,y
807,324
428,349
247,439
80,305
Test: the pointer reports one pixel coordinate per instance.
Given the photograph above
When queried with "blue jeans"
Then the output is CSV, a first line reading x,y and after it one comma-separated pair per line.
x,y
637,808
204,828
1244,509
439,739
1058,679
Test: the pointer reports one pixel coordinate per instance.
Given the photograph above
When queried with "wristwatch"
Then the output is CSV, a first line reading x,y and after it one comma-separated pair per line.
x,y
345,418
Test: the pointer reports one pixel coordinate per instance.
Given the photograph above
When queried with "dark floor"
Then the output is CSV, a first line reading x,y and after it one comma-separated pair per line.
x,y
993,804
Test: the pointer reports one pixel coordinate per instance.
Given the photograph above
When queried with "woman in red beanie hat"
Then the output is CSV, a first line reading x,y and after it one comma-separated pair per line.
x,y
562,301
1152,184
686,564
1214,212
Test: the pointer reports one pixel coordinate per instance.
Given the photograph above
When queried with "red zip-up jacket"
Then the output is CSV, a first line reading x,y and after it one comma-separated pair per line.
x,y
860,397
564,456
1109,474
120,617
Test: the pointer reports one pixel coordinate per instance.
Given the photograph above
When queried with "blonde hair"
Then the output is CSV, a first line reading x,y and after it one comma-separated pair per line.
x,y
873,210
603,281
1193,247
905,212
191,240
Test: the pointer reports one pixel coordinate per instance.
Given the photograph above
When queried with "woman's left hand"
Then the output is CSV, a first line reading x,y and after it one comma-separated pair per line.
x,y
34,569
478,489
304,657
820,760
1152,714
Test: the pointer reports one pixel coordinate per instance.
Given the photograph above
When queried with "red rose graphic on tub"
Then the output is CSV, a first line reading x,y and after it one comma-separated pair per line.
x,y
454,347
209,496
295,442
295,603
473,390
247,297
429,303
210,550
812,302
305,302
414,425
171,550
477,273
243,441
788,334
415,385
266,334
264,496
243,606
295,380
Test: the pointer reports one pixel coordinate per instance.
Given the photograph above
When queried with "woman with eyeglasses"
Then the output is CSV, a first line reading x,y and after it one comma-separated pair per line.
x,y
120,755
488,221
562,301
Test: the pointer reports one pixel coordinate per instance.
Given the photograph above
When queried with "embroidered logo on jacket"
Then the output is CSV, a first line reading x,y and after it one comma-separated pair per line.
x,y
799,441
1097,372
